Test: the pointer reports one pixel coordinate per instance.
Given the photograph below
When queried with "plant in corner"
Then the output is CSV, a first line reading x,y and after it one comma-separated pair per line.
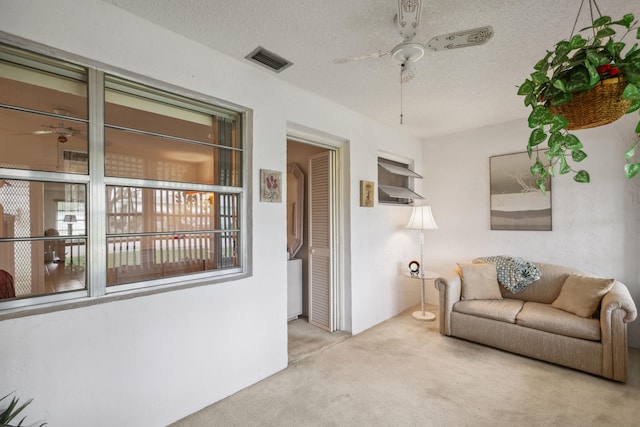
x,y
594,73
11,411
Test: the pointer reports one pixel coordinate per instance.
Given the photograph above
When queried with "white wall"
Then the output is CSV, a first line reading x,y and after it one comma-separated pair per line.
x,y
596,226
151,360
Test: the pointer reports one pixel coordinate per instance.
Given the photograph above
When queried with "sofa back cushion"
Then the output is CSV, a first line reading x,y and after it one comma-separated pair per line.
x,y
547,288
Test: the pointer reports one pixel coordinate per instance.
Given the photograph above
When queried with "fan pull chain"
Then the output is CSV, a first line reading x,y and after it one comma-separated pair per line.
x,y
401,115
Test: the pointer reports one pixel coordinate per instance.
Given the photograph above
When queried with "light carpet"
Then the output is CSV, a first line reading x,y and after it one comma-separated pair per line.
x,y
306,339
402,372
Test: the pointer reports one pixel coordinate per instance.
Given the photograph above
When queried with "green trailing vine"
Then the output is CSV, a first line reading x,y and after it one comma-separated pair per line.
x,y
576,66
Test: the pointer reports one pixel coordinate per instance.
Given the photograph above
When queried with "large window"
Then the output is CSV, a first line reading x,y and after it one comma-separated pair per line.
x,y
107,184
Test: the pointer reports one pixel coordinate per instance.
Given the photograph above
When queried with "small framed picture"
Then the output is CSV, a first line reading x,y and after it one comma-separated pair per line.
x,y
270,186
366,194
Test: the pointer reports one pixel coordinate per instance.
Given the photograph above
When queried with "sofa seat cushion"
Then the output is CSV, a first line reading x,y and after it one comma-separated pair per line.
x,y
504,310
546,318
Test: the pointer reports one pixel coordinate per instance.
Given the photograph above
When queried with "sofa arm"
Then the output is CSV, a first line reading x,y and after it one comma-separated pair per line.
x,y
620,298
449,289
617,309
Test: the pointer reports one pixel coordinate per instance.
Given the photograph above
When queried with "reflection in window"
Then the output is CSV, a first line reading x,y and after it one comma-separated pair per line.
x,y
43,113
34,249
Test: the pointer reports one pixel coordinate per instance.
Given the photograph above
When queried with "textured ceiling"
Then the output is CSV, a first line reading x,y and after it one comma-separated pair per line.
x,y
453,90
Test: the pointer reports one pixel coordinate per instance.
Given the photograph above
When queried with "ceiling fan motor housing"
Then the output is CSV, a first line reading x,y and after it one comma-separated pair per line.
x,y
408,51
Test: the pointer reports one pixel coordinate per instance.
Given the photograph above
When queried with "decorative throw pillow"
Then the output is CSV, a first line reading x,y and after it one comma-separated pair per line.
x,y
581,294
479,281
514,273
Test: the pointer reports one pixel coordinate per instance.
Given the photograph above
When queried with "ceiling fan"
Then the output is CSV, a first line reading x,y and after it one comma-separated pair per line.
x,y
408,52
63,132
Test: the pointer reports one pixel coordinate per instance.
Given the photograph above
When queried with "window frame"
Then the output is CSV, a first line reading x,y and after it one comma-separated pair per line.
x,y
95,181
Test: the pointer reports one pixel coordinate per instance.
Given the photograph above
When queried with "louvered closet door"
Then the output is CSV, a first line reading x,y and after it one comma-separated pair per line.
x,y
320,241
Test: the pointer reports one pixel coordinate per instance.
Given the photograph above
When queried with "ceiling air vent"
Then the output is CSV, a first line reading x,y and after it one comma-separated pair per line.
x,y
268,59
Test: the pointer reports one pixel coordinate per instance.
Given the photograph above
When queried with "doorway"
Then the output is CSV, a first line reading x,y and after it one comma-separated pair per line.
x,y
323,324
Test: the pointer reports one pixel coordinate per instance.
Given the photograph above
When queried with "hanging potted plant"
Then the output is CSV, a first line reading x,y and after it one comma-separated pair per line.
x,y
584,82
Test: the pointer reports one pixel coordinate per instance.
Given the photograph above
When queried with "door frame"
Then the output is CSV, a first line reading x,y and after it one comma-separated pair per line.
x,y
341,255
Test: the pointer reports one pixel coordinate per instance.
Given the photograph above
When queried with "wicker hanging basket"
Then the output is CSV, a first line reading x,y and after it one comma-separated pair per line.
x,y
599,106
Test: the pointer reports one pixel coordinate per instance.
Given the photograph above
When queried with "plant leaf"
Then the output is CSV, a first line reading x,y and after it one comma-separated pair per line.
x,y
559,84
562,98
11,411
539,77
526,88
541,186
633,107
539,116
572,142
543,64
631,151
631,169
582,176
578,155
605,32
564,167
578,80
638,127
614,48
555,138
562,48
576,42
555,145
537,136
630,67
558,122
594,77
625,21
603,20
597,58
631,92
537,168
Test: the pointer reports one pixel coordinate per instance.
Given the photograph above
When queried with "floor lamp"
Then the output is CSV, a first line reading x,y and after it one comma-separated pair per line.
x,y
422,219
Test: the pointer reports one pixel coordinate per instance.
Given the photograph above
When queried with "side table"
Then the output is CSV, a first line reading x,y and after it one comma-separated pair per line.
x,y
422,276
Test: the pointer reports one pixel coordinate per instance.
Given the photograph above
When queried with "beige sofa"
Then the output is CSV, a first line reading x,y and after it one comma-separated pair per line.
x,y
527,323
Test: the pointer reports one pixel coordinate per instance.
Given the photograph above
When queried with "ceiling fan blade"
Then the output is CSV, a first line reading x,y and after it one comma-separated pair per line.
x,y
378,54
408,18
465,38
42,132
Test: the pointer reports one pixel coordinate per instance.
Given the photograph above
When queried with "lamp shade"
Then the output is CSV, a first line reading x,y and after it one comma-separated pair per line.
x,y
422,219
70,218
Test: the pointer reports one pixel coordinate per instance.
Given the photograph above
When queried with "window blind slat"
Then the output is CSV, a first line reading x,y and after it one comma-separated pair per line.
x,y
399,192
398,170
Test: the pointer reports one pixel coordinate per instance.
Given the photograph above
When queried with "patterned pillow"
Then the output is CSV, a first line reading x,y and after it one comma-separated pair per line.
x,y
514,273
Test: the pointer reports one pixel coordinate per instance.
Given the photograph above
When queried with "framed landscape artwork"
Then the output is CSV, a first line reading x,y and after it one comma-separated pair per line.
x,y
516,201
